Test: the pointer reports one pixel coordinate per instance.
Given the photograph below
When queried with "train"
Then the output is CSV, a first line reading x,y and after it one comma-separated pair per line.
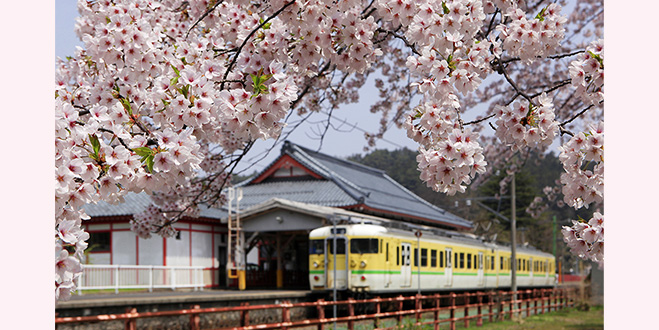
x,y
381,259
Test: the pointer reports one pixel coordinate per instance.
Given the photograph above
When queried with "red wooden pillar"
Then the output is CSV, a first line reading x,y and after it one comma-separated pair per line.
x,y
244,314
194,319
321,312
351,313
400,308
130,324
452,312
479,320
436,313
285,314
466,299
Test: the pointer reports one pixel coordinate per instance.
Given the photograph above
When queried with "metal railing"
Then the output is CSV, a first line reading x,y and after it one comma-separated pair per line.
x,y
117,277
419,310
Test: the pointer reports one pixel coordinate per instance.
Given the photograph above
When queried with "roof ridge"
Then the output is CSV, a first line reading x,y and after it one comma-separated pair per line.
x,y
349,162
338,179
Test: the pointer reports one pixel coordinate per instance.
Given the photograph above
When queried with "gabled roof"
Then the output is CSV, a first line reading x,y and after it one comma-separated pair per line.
x,y
303,175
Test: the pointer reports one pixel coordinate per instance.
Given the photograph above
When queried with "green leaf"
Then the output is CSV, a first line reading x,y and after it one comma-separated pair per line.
x,y
598,58
96,145
143,152
126,103
541,15
149,163
445,8
178,73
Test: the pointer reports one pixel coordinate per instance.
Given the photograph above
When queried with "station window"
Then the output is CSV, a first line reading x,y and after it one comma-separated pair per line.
x,y
364,245
424,257
99,241
468,260
433,258
462,260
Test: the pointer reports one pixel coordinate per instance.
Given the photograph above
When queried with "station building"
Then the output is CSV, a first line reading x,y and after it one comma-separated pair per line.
x,y
300,191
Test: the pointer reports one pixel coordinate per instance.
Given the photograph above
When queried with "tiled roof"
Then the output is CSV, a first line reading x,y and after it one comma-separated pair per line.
x,y
349,185
135,203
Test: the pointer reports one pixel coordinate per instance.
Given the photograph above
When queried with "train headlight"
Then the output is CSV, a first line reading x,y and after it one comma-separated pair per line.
x,y
315,264
363,264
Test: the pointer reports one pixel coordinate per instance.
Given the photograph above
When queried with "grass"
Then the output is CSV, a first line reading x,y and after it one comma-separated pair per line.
x,y
565,319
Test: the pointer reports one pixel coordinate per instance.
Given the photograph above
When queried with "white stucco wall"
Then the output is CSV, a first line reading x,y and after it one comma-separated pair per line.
x,y
123,248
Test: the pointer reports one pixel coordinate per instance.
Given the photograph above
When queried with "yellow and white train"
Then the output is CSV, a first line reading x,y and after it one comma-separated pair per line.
x,y
379,260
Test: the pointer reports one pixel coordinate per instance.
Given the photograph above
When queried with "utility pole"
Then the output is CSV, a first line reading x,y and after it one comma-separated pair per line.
x,y
513,240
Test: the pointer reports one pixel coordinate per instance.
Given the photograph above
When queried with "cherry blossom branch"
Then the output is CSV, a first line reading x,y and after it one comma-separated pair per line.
x,y
240,48
479,120
576,116
553,57
502,70
203,16
555,87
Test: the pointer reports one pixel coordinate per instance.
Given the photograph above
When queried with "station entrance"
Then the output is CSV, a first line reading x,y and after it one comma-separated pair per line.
x,y
279,233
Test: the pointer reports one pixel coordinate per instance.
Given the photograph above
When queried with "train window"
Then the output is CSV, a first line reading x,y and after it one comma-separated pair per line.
x,y
475,263
416,257
364,245
441,259
433,258
462,260
501,265
468,260
492,263
424,257
316,246
340,246
387,252
397,256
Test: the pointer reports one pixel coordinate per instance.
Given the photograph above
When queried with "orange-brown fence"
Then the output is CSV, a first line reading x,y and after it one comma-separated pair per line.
x,y
434,309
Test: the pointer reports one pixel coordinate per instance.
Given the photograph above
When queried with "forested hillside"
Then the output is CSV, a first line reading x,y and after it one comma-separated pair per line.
x,y
536,174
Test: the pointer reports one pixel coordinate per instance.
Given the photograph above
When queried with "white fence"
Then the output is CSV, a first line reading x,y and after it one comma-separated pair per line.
x,y
104,277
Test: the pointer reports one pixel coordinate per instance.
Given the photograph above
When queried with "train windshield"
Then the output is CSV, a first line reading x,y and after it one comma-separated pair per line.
x,y
340,246
364,245
316,246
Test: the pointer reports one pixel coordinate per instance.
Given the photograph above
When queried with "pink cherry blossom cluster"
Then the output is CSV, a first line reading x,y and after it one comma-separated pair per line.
x,y
583,184
451,164
527,125
587,73
583,161
532,38
586,239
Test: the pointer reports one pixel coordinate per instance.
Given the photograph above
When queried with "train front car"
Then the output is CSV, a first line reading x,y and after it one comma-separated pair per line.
x,y
348,258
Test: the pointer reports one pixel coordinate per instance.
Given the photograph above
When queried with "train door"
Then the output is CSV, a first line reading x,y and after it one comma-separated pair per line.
x,y
448,270
406,265
480,269
529,266
336,264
